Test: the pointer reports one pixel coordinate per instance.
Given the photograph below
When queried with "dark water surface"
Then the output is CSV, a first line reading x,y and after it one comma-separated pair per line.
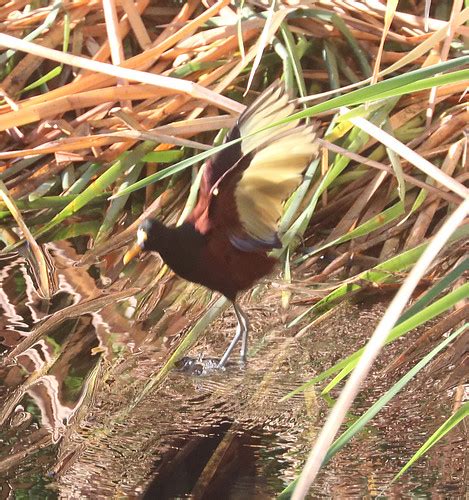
x,y
77,421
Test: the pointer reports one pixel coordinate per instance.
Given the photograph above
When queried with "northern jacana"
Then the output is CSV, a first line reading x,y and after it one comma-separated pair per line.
x,y
225,240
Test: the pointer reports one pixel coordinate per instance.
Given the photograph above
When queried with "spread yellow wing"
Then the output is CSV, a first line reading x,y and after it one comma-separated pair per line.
x,y
249,181
279,156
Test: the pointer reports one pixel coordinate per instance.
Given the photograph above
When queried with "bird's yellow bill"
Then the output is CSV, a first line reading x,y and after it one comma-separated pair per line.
x,y
142,236
132,253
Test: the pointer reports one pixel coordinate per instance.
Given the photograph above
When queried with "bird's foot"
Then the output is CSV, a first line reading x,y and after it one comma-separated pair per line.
x,y
198,366
205,366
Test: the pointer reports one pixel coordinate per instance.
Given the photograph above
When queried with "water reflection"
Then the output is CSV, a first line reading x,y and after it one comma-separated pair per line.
x,y
75,365
52,351
223,461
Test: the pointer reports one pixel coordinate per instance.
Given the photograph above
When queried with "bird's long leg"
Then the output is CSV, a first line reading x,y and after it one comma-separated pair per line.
x,y
244,326
241,333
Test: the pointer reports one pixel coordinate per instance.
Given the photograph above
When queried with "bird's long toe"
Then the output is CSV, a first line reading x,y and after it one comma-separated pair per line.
x,y
198,366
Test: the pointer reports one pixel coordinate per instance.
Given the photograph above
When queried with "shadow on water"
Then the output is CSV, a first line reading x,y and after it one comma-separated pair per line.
x,y
74,425
219,463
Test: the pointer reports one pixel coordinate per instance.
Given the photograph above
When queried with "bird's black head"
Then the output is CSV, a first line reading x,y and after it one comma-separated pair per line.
x,y
147,238
148,233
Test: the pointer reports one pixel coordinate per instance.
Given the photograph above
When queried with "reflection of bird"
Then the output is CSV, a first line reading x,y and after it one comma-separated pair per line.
x,y
223,243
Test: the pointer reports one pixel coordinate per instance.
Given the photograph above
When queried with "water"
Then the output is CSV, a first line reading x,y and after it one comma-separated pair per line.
x,y
77,422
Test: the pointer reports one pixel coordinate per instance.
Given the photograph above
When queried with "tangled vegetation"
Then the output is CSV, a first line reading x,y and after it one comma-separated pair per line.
x,y
108,110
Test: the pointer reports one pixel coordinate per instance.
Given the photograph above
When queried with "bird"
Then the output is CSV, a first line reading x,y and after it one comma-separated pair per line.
x,y
225,241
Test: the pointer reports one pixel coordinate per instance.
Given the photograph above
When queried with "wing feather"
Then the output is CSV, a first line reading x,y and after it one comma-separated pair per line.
x,y
247,183
273,173
271,105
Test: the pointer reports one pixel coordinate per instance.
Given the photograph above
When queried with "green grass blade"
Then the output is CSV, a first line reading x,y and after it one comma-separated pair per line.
x,y
342,27
441,432
355,141
173,169
378,274
239,28
430,312
297,198
384,400
395,86
360,423
44,188
191,67
367,227
100,184
288,74
90,170
66,42
395,163
96,188
45,25
89,228
294,58
411,81
44,79
45,202
330,61
163,156
189,339
116,206
436,290
418,319
355,46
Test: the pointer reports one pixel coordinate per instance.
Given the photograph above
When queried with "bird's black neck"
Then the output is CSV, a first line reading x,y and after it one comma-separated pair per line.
x,y
179,247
